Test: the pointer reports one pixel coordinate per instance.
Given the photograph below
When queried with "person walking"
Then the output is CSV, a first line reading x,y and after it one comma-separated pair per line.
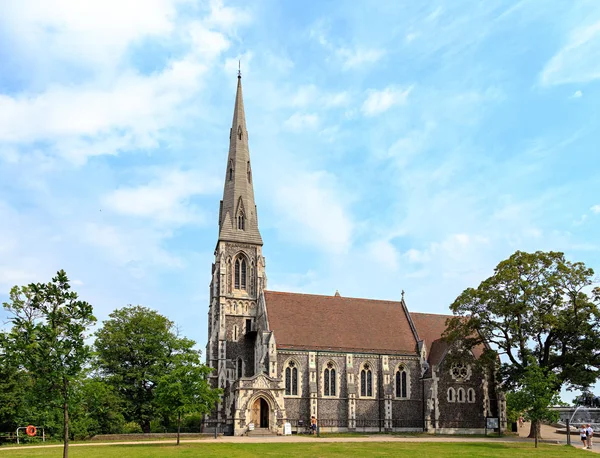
x,y
313,425
583,435
589,433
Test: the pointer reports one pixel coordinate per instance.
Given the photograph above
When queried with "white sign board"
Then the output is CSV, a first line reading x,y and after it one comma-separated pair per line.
x,y
287,429
250,426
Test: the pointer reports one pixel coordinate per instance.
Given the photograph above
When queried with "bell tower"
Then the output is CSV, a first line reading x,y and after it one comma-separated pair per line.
x,y
238,272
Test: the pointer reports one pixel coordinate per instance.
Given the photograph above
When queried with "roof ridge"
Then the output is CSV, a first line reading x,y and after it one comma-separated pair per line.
x,y
431,314
332,296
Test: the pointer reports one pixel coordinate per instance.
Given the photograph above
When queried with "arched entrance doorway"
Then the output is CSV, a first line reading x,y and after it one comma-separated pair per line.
x,y
260,413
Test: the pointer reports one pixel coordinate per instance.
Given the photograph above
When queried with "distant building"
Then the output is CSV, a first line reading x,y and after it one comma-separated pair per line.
x,y
355,364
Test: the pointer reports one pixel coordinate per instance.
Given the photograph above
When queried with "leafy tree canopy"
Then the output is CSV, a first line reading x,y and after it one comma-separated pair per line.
x,y
537,307
186,389
534,395
47,340
135,347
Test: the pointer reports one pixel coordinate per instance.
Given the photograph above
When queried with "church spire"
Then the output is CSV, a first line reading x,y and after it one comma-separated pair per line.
x,y
238,221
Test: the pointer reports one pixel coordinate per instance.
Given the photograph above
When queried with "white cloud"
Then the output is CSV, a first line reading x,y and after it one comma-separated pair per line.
x,y
227,18
165,199
359,57
91,32
385,253
312,210
595,209
300,121
334,100
578,61
128,113
378,102
577,95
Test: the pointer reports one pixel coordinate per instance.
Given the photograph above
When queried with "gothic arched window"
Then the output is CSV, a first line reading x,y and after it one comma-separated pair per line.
x,y
241,222
366,381
291,379
451,395
471,395
460,395
240,273
401,379
329,380
230,170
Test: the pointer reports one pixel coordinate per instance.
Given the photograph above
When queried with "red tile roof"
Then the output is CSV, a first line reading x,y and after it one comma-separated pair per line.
x,y
313,322
430,328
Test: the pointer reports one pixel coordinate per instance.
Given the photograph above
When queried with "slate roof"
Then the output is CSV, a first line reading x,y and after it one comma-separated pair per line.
x,y
314,322
430,328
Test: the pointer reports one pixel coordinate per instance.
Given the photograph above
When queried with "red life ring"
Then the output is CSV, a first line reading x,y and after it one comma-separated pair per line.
x,y
31,430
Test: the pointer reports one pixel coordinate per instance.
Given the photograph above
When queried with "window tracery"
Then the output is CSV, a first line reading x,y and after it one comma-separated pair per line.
x,y
366,381
240,273
460,371
401,382
329,380
291,379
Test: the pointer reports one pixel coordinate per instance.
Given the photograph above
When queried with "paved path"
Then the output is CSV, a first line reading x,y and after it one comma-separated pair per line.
x,y
548,433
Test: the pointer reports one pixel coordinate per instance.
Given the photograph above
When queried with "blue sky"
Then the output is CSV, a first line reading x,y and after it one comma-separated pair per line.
x,y
395,145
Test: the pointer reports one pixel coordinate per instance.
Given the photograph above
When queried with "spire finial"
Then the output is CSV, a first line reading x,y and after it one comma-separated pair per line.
x,y
239,68
402,294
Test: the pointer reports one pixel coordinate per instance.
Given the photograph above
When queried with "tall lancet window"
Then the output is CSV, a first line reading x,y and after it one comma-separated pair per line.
x,y
241,222
243,274
291,379
366,381
240,275
329,380
401,387
230,170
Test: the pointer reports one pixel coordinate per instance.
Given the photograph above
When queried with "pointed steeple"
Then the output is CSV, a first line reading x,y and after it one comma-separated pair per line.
x,y
238,221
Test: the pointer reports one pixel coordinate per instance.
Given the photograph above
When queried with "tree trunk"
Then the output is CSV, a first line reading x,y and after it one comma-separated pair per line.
x,y
66,430
178,426
535,430
145,426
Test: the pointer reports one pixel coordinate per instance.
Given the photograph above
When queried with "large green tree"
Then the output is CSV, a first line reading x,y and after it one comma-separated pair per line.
x,y
135,347
535,307
185,389
47,340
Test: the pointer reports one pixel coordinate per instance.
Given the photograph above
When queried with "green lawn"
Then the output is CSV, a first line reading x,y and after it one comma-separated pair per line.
x,y
336,449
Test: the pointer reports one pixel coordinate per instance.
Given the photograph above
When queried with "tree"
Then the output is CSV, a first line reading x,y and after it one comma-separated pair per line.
x,y
47,340
534,308
185,389
537,391
134,349
13,393
99,409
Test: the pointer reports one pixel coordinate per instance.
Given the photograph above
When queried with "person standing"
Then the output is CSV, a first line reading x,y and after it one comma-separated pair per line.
x,y
521,421
313,425
583,435
589,433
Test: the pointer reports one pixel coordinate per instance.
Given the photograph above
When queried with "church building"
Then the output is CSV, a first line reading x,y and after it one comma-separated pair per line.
x,y
354,364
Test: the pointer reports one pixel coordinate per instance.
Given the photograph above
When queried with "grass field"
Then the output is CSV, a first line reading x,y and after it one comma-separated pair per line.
x,y
329,449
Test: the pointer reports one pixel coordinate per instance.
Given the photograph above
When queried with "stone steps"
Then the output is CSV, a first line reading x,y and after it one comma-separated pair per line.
x,y
260,432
